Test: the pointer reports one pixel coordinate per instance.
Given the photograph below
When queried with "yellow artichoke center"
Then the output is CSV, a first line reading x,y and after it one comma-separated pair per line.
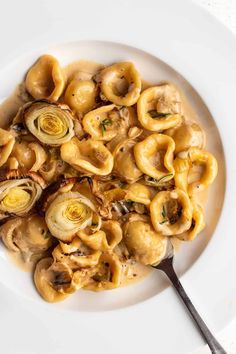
x,y
16,198
52,125
77,212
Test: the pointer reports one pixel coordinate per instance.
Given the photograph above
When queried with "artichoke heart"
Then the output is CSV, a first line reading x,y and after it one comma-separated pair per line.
x,y
50,123
68,213
18,196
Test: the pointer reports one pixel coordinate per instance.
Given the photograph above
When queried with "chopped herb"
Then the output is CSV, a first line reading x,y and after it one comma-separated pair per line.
x,y
164,212
154,114
163,222
104,124
47,235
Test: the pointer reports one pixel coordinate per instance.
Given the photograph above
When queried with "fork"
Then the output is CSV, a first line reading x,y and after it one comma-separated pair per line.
x,y
166,266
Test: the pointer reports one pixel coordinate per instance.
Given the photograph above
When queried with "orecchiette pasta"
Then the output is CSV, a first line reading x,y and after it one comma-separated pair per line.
x,y
205,177
154,156
143,242
81,95
159,108
89,156
171,212
98,176
7,142
45,79
121,83
104,122
28,235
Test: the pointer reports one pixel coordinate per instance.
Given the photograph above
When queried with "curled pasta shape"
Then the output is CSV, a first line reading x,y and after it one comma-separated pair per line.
x,y
159,108
45,80
68,213
183,166
106,239
81,95
171,212
12,163
139,193
154,156
77,255
88,156
7,141
27,235
187,135
145,244
198,224
53,280
40,156
104,122
50,123
108,273
19,193
124,161
209,163
121,83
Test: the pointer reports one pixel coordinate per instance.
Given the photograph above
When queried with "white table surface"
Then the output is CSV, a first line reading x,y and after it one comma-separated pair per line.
x,y
225,11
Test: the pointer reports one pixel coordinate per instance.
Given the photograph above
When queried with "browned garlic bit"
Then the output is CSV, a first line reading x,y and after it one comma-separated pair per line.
x,y
98,175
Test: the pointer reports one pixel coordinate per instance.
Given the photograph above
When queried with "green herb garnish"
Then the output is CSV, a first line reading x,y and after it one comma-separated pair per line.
x,y
164,212
104,124
164,215
154,114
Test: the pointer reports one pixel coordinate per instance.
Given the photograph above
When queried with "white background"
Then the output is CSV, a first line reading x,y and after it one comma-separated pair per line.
x,y
225,11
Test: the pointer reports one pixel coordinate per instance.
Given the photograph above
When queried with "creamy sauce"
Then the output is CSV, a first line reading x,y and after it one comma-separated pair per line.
x,y
17,259
85,70
134,273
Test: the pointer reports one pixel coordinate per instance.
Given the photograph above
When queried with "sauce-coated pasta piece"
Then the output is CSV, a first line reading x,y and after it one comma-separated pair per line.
x,y
121,83
154,156
45,80
81,96
171,212
145,244
88,156
159,108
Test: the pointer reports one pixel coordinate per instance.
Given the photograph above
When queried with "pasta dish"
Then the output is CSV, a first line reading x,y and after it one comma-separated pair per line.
x,y
99,173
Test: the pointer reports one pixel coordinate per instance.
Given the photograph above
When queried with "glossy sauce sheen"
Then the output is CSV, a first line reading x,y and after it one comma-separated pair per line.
x,y
85,70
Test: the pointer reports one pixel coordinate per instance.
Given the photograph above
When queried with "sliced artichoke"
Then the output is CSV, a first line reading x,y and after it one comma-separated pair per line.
x,y
45,79
19,193
52,124
68,213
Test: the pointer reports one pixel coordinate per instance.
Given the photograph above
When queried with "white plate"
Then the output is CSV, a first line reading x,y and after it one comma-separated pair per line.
x,y
199,48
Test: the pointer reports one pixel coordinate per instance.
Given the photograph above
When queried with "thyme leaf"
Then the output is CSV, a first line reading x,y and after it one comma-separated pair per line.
x,y
154,114
104,124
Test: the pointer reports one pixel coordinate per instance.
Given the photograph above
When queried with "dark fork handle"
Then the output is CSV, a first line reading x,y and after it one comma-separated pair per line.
x,y
167,267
